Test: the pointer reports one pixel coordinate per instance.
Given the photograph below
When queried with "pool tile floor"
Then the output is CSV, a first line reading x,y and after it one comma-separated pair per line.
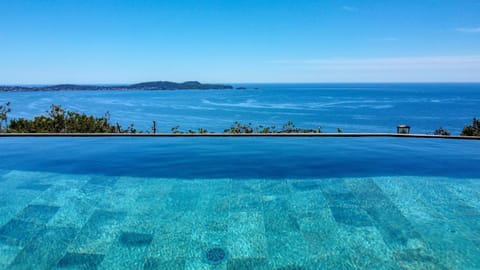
x,y
54,221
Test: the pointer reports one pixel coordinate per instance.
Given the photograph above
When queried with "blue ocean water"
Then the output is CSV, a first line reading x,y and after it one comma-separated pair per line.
x,y
351,107
246,203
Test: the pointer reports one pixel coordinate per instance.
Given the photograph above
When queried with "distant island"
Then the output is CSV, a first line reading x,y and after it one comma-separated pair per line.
x,y
158,85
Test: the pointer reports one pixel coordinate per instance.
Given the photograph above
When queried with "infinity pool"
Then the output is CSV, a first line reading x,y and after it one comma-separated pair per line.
x,y
239,203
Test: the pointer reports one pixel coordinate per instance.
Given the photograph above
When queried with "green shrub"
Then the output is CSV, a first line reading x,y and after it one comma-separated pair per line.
x,y
441,132
473,130
4,110
59,120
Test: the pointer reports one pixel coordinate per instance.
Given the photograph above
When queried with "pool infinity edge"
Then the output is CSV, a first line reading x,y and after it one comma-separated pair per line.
x,y
394,135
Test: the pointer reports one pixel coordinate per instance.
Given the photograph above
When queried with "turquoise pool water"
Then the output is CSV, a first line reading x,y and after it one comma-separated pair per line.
x,y
245,203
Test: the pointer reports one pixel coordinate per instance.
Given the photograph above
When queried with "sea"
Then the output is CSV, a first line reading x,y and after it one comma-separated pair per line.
x,y
349,107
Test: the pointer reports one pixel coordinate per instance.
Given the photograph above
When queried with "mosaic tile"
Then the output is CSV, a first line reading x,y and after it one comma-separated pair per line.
x,y
37,213
395,229
252,186
99,233
349,247
450,250
320,243
468,193
276,187
7,254
438,196
344,199
24,177
445,235
83,261
369,194
12,202
129,255
333,185
182,201
248,264
2,175
170,247
45,250
33,186
405,197
281,222
201,264
292,267
306,185
246,202
316,221
351,216
286,249
56,195
118,200
74,212
146,203
211,187
463,210
101,217
157,185
245,245
19,232
204,243
143,222
97,194
279,216
246,233
135,239
304,202
215,204
249,222
368,246
147,223
103,181
346,259
156,264
261,187
203,240
217,221
7,212
179,222
417,259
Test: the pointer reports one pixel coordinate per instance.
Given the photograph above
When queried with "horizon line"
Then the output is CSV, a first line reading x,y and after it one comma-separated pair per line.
x,y
270,82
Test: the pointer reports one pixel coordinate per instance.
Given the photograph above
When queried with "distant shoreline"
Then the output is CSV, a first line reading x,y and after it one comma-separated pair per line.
x,y
154,86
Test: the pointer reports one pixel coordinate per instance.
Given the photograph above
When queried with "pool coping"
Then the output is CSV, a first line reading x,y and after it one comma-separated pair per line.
x,y
392,135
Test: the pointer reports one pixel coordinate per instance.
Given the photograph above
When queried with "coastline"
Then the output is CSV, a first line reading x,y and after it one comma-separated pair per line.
x,y
154,86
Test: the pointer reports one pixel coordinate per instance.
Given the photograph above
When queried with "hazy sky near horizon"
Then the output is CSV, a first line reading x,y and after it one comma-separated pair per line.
x,y
123,41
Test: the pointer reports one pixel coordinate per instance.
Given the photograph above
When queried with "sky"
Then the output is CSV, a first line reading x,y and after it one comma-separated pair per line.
x,y
239,41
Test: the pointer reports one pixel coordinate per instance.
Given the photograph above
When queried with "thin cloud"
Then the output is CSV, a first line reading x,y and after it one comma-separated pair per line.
x,y
469,30
392,63
350,8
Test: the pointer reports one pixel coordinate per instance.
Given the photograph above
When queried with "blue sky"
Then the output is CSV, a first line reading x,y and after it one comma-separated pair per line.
x,y
122,41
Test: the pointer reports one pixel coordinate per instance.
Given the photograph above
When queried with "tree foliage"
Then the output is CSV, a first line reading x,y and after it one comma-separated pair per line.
x,y
4,110
473,130
58,120
289,127
441,132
